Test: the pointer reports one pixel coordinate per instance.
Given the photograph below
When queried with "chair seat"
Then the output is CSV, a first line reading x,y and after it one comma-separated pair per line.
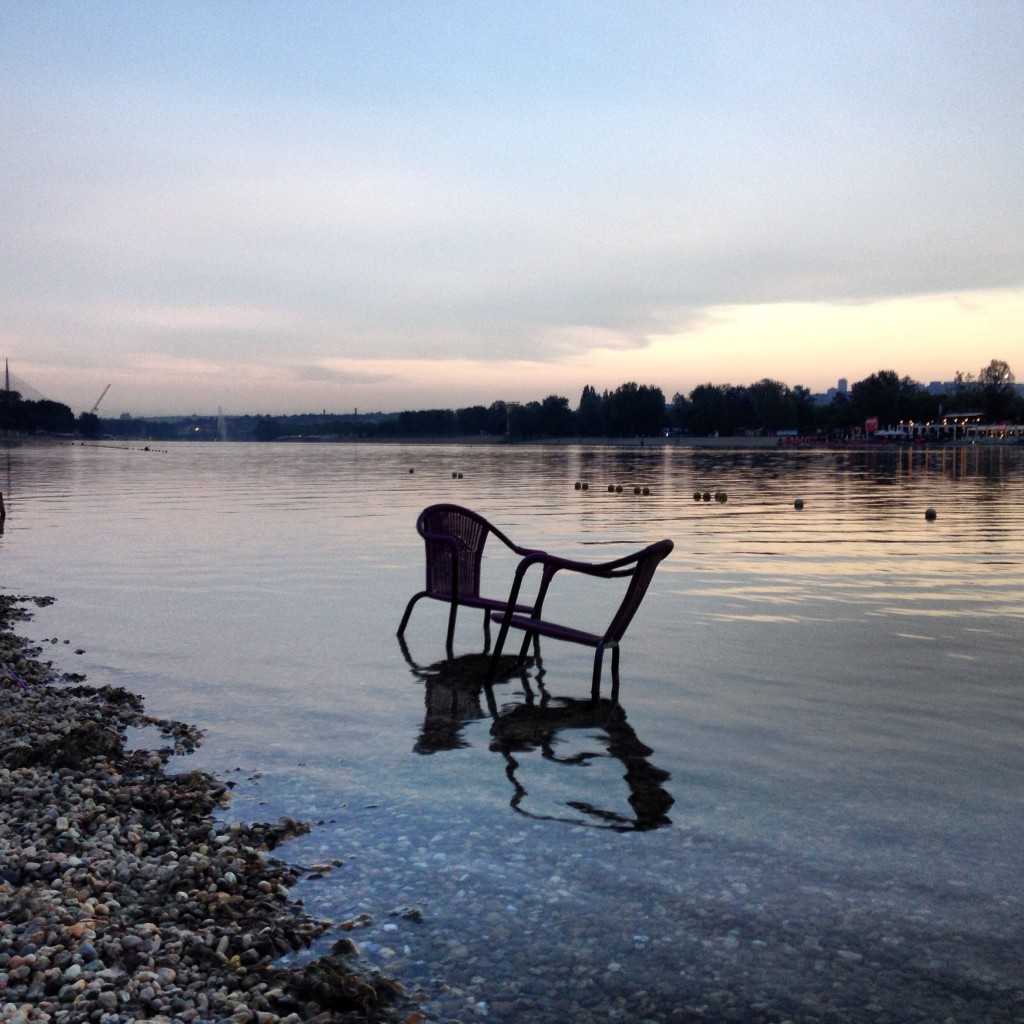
x,y
553,630
494,605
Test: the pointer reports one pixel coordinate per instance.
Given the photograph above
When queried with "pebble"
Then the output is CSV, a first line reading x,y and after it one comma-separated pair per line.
x,y
124,898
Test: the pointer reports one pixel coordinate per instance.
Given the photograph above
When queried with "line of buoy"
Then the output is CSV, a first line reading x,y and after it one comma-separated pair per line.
x,y
637,489
581,485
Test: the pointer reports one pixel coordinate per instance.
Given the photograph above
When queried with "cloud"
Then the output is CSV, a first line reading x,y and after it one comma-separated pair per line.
x,y
497,191
342,373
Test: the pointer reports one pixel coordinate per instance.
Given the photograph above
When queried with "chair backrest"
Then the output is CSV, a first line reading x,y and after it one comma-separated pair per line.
x,y
454,537
640,574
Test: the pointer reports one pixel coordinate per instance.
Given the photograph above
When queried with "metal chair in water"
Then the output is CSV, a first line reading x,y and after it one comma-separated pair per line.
x,y
638,568
455,538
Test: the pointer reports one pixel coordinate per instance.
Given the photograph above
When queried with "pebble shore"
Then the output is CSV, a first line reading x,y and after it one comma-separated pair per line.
x,y
123,899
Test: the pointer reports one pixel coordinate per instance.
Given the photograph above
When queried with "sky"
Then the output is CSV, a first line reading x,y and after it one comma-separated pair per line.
x,y
283,207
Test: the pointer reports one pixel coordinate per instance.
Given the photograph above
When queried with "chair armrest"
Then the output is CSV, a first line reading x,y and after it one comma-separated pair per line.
x,y
552,564
624,566
555,563
512,546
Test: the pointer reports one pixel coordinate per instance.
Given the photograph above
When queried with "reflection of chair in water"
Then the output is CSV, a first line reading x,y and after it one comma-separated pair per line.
x,y
452,696
637,568
536,726
452,690
455,538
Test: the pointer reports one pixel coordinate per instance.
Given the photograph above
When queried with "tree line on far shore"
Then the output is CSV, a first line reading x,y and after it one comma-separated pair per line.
x,y
631,410
639,410
769,406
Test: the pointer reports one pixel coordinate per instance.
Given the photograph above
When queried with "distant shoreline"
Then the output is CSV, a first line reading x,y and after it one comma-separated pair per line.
x,y
489,439
562,442
719,443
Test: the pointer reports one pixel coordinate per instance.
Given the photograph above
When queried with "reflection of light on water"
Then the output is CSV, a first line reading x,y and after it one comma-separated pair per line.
x,y
762,617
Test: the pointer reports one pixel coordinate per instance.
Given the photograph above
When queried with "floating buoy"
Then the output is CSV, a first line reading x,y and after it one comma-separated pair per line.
x,y
696,495
798,504
611,488
585,486
706,496
411,470
721,497
618,488
579,486
929,514
647,490
636,490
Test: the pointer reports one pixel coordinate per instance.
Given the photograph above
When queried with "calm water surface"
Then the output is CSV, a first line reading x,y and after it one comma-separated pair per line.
x,y
809,806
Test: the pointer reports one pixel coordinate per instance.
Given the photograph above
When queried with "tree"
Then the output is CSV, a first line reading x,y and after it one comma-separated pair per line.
x,y
497,419
590,415
472,420
680,413
46,417
838,417
427,422
522,420
771,405
636,410
803,410
708,409
89,425
554,417
268,429
996,374
998,395
877,396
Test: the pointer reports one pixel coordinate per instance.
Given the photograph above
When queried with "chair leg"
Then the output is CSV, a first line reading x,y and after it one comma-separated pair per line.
x,y
487,631
492,704
408,611
615,674
526,646
449,646
595,688
492,668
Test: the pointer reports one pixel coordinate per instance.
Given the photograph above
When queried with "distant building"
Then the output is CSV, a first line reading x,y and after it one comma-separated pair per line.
x,y
842,388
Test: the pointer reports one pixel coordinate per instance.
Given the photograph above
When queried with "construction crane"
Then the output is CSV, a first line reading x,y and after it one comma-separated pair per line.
x,y
92,411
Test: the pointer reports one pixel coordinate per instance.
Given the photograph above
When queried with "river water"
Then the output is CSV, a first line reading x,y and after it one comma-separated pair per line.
x,y
808,805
